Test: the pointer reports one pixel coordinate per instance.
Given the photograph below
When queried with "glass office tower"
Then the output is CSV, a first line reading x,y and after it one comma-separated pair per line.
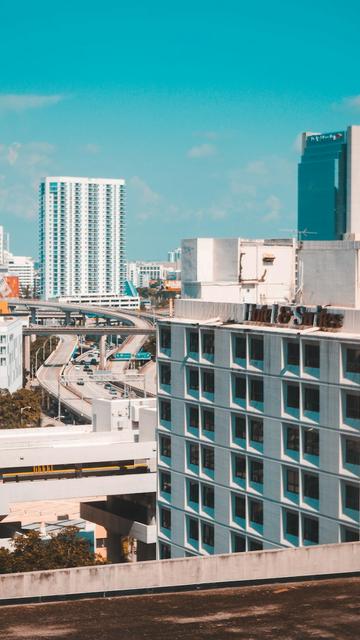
x,y
322,181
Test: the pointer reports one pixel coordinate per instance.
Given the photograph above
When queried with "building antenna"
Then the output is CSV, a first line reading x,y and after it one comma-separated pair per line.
x,y
301,234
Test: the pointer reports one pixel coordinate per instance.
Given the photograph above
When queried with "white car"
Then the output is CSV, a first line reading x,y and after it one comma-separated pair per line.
x,y
77,367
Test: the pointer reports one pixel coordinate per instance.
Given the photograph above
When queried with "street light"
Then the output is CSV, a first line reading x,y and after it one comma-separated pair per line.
x,y
21,412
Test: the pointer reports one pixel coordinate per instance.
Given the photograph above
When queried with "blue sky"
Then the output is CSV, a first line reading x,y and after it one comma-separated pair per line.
x,y
198,105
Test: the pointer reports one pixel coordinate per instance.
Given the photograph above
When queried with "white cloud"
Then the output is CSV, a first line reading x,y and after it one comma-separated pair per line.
x,y
257,168
352,101
297,144
93,149
23,101
202,151
210,135
13,152
273,206
143,192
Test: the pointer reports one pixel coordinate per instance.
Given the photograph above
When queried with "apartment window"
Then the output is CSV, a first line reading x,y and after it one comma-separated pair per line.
x,y
165,482
312,355
193,342
353,406
292,396
256,430
292,438
240,347
193,529
353,360
350,535
311,486
311,529
165,410
256,390
255,545
208,381
208,497
240,387
208,420
193,488
352,451
352,497
257,349
239,427
193,417
311,399
194,379
165,374
292,481
207,534
165,518
208,458
256,472
194,454
256,512
208,343
165,446
239,507
311,442
292,353
239,543
165,338
291,523
165,551
240,467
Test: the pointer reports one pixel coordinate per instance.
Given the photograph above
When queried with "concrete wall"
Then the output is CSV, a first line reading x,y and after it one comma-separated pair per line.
x,y
256,566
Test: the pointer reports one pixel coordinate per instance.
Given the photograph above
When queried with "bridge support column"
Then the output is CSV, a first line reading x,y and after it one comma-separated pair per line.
x,y
33,315
26,353
102,349
67,317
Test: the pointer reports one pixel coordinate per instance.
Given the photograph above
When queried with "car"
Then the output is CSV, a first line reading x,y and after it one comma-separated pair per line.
x,y
93,361
77,367
113,392
81,383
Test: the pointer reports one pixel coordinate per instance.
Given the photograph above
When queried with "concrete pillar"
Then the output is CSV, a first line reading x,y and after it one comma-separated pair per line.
x,y
33,337
102,349
26,353
114,551
33,315
67,317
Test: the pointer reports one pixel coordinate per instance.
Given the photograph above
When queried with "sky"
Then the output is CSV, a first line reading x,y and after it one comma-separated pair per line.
x,y
197,104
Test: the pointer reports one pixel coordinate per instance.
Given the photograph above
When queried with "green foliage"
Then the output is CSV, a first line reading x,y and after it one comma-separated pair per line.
x,y
150,345
11,416
63,550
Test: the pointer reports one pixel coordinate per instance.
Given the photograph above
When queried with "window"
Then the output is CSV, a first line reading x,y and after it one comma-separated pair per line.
x,y
165,518
256,390
208,420
194,454
291,523
292,481
292,353
311,442
311,529
208,498
255,545
207,534
256,349
165,446
165,410
240,387
239,543
165,551
165,338
292,396
311,486
239,507
208,343
312,355
350,535
193,488
352,451
353,360
353,406
352,497
256,430
292,438
256,471
256,511
240,347
165,482
311,399
165,374
193,529
239,427
208,381
194,379
208,458
193,417
240,467
193,342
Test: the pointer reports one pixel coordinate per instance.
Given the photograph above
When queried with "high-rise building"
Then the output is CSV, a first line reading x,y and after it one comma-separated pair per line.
x,y
82,236
23,267
329,185
4,245
174,255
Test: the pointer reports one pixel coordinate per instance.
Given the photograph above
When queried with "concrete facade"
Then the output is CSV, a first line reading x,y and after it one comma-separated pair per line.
x,y
11,353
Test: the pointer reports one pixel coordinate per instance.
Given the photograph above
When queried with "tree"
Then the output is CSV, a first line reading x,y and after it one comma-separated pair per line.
x,y
20,409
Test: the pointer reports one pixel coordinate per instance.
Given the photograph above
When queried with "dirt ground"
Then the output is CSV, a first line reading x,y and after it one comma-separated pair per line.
x,y
297,611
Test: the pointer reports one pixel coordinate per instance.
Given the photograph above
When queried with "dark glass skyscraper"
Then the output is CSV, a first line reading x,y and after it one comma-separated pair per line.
x,y
322,186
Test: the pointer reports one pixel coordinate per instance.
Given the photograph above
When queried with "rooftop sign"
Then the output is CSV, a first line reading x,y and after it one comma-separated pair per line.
x,y
293,316
325,137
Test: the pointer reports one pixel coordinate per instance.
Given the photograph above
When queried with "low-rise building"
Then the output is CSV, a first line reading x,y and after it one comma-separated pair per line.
x,y
23,267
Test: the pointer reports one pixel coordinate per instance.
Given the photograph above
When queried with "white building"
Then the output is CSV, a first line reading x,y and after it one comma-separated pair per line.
x,y
175,255
82,236
11,374
23,267
259,415
141,272
4,245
